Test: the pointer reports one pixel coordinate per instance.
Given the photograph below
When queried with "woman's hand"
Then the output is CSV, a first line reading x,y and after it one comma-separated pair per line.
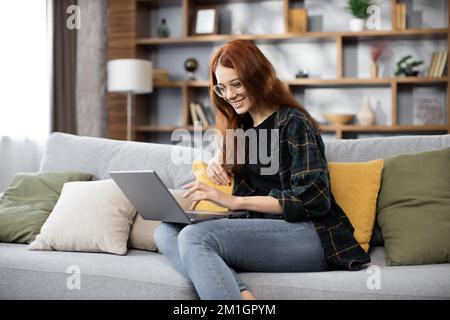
x,y
217,173
205,192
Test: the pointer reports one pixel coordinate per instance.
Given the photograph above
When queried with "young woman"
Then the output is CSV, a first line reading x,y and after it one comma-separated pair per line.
x,y
294,223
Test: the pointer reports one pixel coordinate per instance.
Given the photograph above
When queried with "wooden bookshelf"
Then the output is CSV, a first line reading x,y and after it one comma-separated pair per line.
x,y
127,39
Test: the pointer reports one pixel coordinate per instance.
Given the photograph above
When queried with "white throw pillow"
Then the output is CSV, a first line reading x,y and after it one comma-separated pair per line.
x,y
92,216
141,235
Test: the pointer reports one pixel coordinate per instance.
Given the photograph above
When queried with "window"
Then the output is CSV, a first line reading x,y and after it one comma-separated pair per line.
x,y
24,69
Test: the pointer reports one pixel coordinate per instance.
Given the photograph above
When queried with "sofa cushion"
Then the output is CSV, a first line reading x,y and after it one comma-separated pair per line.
x,y
28,201
28,274
141,234
413,208
356,150
93,216
148,275
355,186
99,156
377,281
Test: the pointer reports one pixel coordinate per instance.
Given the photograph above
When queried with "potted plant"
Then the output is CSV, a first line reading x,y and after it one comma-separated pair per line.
x,y
407,68
358,9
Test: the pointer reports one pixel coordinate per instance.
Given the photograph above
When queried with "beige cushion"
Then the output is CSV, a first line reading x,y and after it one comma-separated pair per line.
x,y
93,216
141,235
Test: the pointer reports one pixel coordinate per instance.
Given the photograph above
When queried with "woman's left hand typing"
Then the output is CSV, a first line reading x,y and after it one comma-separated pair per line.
x,y
206,192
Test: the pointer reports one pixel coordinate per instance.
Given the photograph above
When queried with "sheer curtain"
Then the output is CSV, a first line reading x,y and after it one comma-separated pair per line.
x,y
25,56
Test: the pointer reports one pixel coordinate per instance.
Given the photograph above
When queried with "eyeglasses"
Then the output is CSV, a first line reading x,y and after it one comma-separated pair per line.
x,y
235,86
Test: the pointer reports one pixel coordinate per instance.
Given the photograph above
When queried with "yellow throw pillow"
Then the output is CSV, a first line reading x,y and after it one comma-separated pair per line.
x,y
199,169
355,187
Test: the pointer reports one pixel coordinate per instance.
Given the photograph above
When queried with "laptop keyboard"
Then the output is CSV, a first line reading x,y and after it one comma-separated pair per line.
x,y
201,215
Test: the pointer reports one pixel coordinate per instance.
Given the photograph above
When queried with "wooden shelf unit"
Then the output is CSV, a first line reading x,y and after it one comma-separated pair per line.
x,y
126,39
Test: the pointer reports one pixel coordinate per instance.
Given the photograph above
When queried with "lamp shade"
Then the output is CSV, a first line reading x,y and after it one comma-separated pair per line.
x,y
130,75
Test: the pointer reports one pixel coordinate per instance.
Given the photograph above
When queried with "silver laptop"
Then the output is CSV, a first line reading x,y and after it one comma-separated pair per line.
x,y
153,201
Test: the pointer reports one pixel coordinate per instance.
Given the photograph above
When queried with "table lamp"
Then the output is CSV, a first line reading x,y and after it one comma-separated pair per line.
x,y
130,76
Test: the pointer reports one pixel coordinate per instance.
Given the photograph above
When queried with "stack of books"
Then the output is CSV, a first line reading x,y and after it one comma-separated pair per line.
x,y
437,65
202,113
160,75
400,16
298,20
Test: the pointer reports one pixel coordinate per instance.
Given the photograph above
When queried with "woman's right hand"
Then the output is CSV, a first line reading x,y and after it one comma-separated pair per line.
x,y
217,173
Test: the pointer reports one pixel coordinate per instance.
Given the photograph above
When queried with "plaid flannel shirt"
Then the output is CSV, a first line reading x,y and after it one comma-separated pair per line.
x,y
306,193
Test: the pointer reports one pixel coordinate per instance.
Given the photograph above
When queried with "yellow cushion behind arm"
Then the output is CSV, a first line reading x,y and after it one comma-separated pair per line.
x,y
199,169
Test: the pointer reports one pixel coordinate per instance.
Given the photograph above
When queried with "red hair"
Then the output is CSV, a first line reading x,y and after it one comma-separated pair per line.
x,y
259,79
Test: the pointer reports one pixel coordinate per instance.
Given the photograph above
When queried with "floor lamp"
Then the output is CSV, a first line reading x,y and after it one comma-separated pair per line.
x,y
130,76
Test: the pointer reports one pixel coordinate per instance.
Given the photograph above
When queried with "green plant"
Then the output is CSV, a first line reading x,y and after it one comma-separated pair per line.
x,y
407,68
358,8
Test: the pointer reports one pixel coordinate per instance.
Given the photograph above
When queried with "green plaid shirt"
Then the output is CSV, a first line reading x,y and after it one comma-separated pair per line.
x,y
306,193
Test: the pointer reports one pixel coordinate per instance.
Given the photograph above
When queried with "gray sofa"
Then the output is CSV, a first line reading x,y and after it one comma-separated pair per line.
x,y
147,275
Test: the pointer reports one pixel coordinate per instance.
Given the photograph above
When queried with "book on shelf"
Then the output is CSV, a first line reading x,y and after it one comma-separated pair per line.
x,y
160,75
210,115
298,20
442,64
193,111
432,65
201,114
438,64
400,12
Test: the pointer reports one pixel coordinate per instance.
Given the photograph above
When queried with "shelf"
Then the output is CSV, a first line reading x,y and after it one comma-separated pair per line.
x,y
226,38
383,128
421,80
409,34
320,82
166,128
169,84
145,128
364,82
182,83
159,3
406,34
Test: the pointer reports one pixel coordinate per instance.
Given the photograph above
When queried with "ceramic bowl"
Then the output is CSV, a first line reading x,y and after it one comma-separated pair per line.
x,y
339,118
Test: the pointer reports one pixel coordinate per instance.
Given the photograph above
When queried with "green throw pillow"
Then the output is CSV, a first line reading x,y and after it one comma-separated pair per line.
x,y
29,200
414,208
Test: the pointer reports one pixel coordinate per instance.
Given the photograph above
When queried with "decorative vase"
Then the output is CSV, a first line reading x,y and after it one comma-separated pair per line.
x,y
374,70
163,30
366,116
357,24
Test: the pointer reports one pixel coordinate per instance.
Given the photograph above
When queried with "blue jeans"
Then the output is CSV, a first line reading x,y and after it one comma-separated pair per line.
x,y
207,253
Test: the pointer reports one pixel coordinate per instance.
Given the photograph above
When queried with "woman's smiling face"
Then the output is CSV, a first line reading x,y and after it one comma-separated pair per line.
x,y
232,89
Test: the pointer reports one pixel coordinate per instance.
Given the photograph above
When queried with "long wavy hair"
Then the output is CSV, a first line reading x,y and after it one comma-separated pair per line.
x,y
259,79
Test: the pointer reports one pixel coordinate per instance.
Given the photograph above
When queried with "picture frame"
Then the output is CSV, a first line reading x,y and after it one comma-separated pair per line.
x,y
428,106
206,21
